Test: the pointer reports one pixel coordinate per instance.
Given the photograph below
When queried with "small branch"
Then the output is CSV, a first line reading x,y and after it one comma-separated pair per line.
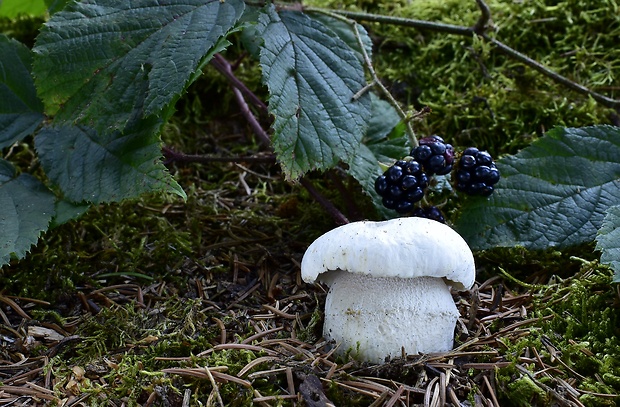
x,y
485,16
171,156
352,208
343,16
239,89
223,66
338,217
406,22
249,116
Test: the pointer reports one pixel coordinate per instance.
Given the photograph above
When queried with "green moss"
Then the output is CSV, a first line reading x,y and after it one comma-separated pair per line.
x,y
523,392
481,97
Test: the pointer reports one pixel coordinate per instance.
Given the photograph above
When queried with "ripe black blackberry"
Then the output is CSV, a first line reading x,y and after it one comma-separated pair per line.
x,y
429,212
402,185
435,155
476,173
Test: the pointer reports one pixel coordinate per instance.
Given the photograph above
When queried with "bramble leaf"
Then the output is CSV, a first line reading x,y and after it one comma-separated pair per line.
x,y
95,167
21,111
384,142
312,76
608,241
103,62
27,208
553,193
346,32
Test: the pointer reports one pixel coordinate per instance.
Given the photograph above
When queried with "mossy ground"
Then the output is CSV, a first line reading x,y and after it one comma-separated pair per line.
x,y
162,302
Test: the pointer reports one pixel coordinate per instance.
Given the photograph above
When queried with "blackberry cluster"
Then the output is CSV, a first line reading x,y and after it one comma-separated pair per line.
x,y
476,173
430,212
402,185
435,155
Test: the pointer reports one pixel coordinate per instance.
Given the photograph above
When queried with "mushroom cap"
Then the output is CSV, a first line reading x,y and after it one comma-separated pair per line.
x,y
403,247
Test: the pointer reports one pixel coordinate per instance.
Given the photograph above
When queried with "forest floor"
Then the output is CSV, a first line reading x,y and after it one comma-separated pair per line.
x,y
164,302
160,302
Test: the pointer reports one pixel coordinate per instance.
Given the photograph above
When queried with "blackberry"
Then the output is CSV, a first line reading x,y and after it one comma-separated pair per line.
x,y
402,185
476,173
430,212
435,155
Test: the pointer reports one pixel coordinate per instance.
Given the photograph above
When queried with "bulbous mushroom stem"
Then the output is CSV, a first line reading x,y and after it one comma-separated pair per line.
x,y
376,317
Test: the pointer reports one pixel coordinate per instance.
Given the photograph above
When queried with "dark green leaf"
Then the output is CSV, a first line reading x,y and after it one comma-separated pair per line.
x,y
67,211
251,37
345,30
382,122
608,241
381,146
93,167
312,76
27,207
21,111
105,62
553,193
54,6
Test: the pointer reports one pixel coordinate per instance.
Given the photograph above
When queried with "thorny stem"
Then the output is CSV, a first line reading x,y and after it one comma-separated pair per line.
x,y
483,20
478,29
602,99
249,116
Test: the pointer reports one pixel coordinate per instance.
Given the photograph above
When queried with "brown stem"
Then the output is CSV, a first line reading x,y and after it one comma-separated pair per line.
x,y
483,20
239,90
223,66
171,156
249,116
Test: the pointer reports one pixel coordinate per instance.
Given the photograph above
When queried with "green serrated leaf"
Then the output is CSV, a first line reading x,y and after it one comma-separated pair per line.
x,y
382,122
66,211
554,193
94,167
27,208
381,145
21,111
54,6
104,62
345,31
251,37
608,241
312,77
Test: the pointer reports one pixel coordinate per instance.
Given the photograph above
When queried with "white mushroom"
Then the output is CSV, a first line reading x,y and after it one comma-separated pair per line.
x,y
390,285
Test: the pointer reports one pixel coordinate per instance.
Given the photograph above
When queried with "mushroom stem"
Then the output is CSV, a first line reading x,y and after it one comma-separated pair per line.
x,y
377,317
